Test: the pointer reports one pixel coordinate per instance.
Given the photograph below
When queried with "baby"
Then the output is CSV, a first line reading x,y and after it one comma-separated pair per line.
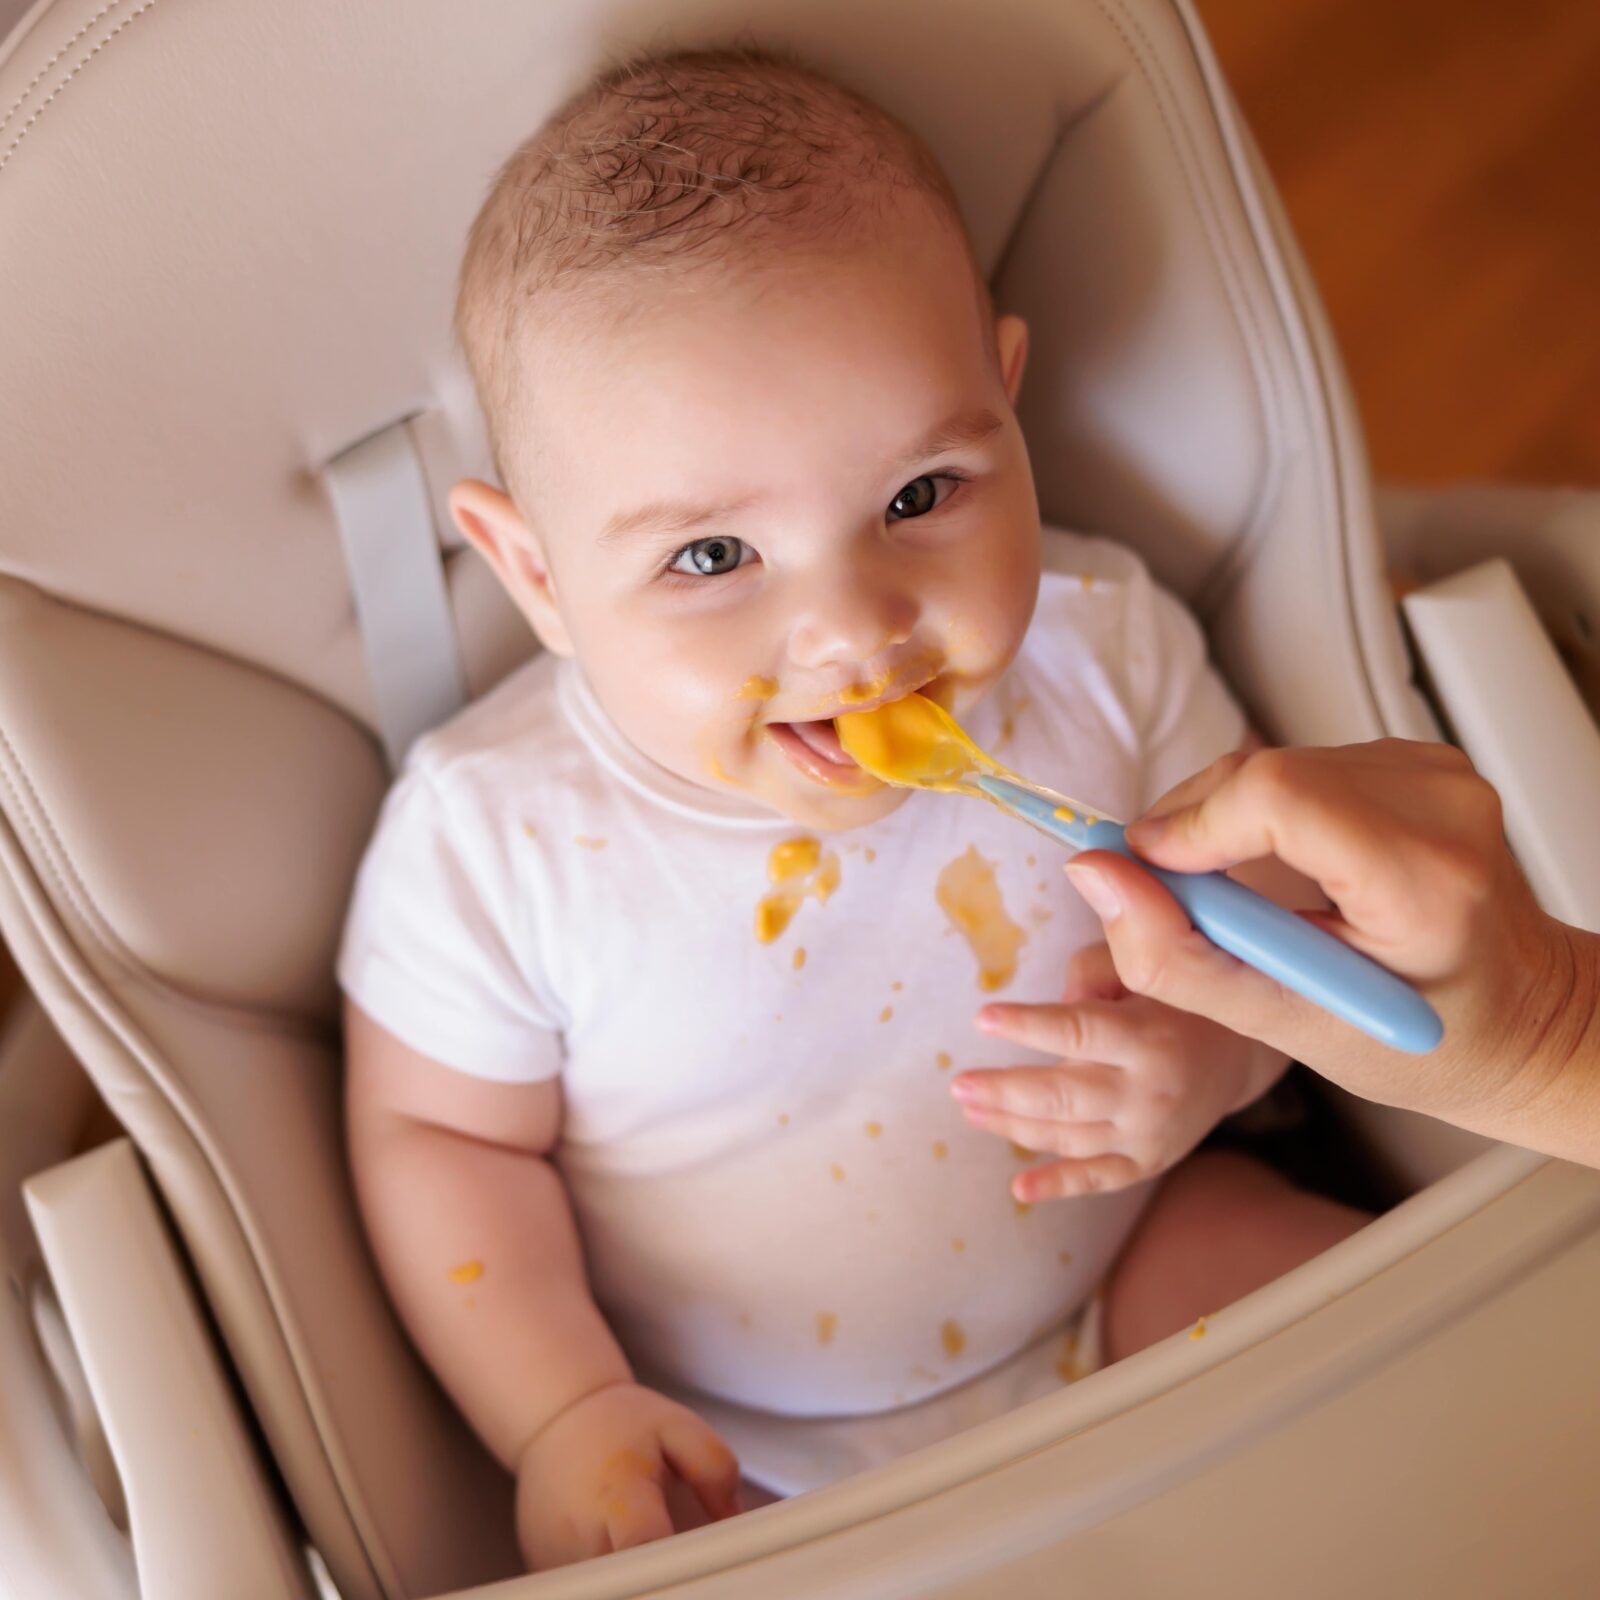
x,y
660,1011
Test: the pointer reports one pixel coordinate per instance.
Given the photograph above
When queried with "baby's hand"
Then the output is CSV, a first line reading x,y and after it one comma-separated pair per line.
x,y
1139,1084
594,1478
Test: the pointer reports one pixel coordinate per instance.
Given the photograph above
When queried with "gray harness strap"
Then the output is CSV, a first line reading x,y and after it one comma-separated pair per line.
x,y
397,580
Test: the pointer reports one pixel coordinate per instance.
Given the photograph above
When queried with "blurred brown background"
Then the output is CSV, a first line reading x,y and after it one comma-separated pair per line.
x,y
1439,160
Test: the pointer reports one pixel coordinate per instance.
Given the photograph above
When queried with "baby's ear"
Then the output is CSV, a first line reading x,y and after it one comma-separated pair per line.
x,y
1011,340
490,522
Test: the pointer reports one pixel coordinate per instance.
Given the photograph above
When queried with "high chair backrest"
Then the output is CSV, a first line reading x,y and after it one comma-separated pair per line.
x,y
228,235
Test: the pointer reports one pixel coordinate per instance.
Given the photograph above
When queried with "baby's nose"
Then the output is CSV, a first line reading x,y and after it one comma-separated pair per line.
x,y
850,617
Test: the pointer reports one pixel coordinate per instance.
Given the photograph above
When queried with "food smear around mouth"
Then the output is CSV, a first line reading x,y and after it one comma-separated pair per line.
x,y
467,1272
756,688
970,898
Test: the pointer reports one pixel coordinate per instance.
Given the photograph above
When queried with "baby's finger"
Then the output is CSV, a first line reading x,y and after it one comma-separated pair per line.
x,y
635,1512
1077,1139
1092,975
1086,1030
704,1462
1092,1092
1062,1180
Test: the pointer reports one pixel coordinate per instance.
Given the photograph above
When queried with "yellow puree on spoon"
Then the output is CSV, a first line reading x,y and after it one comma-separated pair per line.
x,y
915,744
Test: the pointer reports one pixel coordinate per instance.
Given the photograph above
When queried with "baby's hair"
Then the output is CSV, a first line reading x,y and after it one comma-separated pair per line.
x,y
669,161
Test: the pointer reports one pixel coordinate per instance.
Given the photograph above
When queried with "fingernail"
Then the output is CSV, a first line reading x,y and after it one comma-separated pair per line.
x,y
988,1019
1146,831
963,1089
1101,894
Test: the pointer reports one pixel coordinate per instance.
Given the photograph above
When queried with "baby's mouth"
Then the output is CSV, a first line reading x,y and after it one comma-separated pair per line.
x,y
815,749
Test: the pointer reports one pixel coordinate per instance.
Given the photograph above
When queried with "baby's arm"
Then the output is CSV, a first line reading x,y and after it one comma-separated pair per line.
x,y
475,1239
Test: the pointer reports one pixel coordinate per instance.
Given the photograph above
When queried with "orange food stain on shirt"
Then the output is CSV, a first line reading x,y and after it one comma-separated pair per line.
x,y
958,1245
827,878
467,1272
896,986
793,858
1198,1331
1021,1207
872,855
873,1129
970,898
886,1013
783,1119
1064,1257
953,1338
940,1149
838,1172
799,957
529,829
744,1319
790,863
943,1058
773,914
1067,1368
588,842
827,1326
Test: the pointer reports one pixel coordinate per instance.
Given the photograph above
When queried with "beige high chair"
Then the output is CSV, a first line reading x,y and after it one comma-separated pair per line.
x,y
231,409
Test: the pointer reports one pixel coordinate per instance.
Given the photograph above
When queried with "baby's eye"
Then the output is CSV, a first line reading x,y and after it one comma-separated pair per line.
x,y
921,495
708,558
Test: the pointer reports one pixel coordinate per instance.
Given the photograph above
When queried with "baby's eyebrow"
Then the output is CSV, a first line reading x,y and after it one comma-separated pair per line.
x,y
668,516
682,516
964,428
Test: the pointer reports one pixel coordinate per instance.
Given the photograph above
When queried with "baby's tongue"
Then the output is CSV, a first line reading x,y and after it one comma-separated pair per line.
x,y
823,737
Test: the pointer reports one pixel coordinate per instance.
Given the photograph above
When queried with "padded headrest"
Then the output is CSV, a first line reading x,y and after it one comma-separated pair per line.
x,y
231,232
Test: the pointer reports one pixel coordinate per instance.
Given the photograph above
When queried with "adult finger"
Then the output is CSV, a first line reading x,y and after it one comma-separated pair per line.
x,y
1092,975
1161,955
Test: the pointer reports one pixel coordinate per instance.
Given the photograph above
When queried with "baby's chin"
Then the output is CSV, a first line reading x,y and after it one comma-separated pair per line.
x,y
825,812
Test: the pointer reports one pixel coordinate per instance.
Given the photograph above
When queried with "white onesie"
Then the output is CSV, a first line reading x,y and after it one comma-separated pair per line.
x,y
784,1215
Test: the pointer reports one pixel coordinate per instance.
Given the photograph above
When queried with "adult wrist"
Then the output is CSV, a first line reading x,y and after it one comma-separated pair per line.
x,y
1552,1099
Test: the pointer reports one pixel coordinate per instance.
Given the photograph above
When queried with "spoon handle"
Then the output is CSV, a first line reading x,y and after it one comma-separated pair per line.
x,y
1261,933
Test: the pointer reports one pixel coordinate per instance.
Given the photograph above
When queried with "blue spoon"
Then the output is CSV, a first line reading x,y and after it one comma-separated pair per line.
x,y
1260,933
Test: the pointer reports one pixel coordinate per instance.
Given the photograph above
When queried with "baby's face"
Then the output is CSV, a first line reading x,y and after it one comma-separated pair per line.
x,y
771,499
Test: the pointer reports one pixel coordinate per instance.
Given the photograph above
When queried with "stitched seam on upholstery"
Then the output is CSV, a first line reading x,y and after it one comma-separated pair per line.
x,y
43,106
1244,317
56,861
44,71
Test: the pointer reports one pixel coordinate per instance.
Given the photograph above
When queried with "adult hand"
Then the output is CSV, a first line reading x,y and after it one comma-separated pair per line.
x,y
1406,841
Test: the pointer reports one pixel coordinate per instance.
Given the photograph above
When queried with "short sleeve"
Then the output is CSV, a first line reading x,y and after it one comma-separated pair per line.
x,y
434,949
1186,716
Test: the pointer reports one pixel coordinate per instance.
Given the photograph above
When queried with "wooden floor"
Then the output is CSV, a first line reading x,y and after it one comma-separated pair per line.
x,y
1440,160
